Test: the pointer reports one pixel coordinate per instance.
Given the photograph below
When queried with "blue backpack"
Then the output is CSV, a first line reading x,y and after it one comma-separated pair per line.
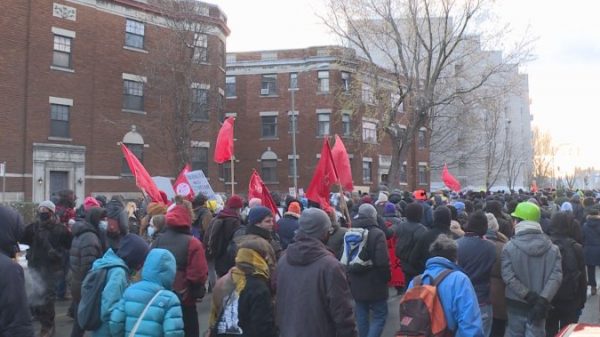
x,y
88,311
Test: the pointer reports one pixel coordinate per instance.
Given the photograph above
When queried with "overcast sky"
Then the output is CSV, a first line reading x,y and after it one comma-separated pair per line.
x,y
563,80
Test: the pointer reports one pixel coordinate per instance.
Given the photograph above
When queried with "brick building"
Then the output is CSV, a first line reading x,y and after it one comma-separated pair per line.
x,y
331,96
79,77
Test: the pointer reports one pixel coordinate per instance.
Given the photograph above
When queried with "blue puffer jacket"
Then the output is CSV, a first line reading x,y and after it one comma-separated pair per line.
x,y
163,318
116,282
457,297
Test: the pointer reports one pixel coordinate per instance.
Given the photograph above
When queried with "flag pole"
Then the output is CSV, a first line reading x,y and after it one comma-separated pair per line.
x,y
232,175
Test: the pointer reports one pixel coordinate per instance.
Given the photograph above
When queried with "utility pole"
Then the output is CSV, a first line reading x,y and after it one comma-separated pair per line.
x,y
294,117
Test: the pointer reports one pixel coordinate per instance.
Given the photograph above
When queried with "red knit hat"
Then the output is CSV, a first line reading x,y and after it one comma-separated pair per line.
x,y
179,216
90,202
235,201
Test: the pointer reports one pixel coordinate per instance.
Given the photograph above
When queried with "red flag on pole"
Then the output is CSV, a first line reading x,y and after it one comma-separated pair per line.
x,y
258,189
449,180
142,177
324,177
224,145
182,185
342,164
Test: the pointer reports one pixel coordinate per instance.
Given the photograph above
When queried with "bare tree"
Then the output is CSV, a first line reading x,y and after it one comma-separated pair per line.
x,y
514,163
544,152
424,45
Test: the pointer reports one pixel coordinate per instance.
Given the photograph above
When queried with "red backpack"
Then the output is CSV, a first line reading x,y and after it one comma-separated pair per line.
x,y
421,313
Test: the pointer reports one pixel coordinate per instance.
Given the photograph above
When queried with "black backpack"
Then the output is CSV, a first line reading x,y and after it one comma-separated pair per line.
x,y
88,311
570,268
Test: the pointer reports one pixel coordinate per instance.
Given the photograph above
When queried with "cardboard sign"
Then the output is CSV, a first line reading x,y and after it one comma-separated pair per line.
x,y
199,183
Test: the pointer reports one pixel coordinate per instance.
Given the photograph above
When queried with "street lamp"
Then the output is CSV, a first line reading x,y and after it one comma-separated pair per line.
x,y
294,120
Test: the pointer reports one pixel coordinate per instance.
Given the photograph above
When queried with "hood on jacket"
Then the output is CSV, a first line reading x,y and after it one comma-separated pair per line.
x,y
81,226
228,213
110,259
11,230
364,222
159,268
528,227
305,250
438,262
532,242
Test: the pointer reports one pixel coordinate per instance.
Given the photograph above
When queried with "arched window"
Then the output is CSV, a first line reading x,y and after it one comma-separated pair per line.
x,y
268,166
135,143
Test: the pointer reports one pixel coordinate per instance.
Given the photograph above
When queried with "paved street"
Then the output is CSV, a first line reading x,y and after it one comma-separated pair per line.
x,y
591,314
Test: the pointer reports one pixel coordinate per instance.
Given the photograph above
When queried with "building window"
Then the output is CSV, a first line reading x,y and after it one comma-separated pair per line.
x,y
200,48
268,85
221,51
345,82
403,175
369,132
422,139
293,80
134,34
59,120
269,126
138,151
225,171
366,171
230,86
323,122
291,167
61,56
133,95
199,158
269,170
199,104
323,77
367,94
346,125
422,174
291,120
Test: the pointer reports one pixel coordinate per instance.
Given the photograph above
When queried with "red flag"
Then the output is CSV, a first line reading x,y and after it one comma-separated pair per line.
x,y
342,164
224,146
324,177
142,177
182,185
449,179
258,189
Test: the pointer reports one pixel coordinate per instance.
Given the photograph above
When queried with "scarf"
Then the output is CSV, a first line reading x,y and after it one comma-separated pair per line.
x,y
248,262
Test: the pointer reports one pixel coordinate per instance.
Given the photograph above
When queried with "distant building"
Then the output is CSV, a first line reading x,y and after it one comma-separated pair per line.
x,y
332,96
75,84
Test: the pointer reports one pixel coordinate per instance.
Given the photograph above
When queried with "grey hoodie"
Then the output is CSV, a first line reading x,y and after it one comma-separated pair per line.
x,y
531,262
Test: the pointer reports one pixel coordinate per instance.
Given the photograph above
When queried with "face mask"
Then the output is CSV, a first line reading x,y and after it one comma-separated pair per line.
x,y
103,225
44,216
151,231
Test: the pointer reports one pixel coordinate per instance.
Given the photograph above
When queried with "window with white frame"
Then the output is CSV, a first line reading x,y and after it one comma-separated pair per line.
x,y
199,104
61,56
59,120
268,166
367,94
269,126
133,95
293,80
345,81
323,124
230,89
422,174
268,86
200,48
323,77
134,34
369,132
346,124
199,159
366,171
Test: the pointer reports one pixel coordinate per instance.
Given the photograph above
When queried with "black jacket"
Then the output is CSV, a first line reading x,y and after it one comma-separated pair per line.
x,y
85,249
47,244
287,227
420,253
15,318
371,284
255,309
408,234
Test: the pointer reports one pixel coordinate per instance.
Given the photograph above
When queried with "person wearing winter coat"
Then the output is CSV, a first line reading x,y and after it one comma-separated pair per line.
x,y
477,256
455,292
572,294
246,291
441,225
152,210
48,240
335,243
532,271
288,225
408,234
192,270
591,246
15,317
116,213
260,226
421,197
202,216
87,246
313,297
369,283
120,265
220,233
496,283
164,316
392,221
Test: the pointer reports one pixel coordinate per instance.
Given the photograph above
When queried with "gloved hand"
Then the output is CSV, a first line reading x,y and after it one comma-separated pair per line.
x,y
540,310
532,298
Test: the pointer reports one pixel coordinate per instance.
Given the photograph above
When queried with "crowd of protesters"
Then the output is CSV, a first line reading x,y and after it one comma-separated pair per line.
x,y
504,264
